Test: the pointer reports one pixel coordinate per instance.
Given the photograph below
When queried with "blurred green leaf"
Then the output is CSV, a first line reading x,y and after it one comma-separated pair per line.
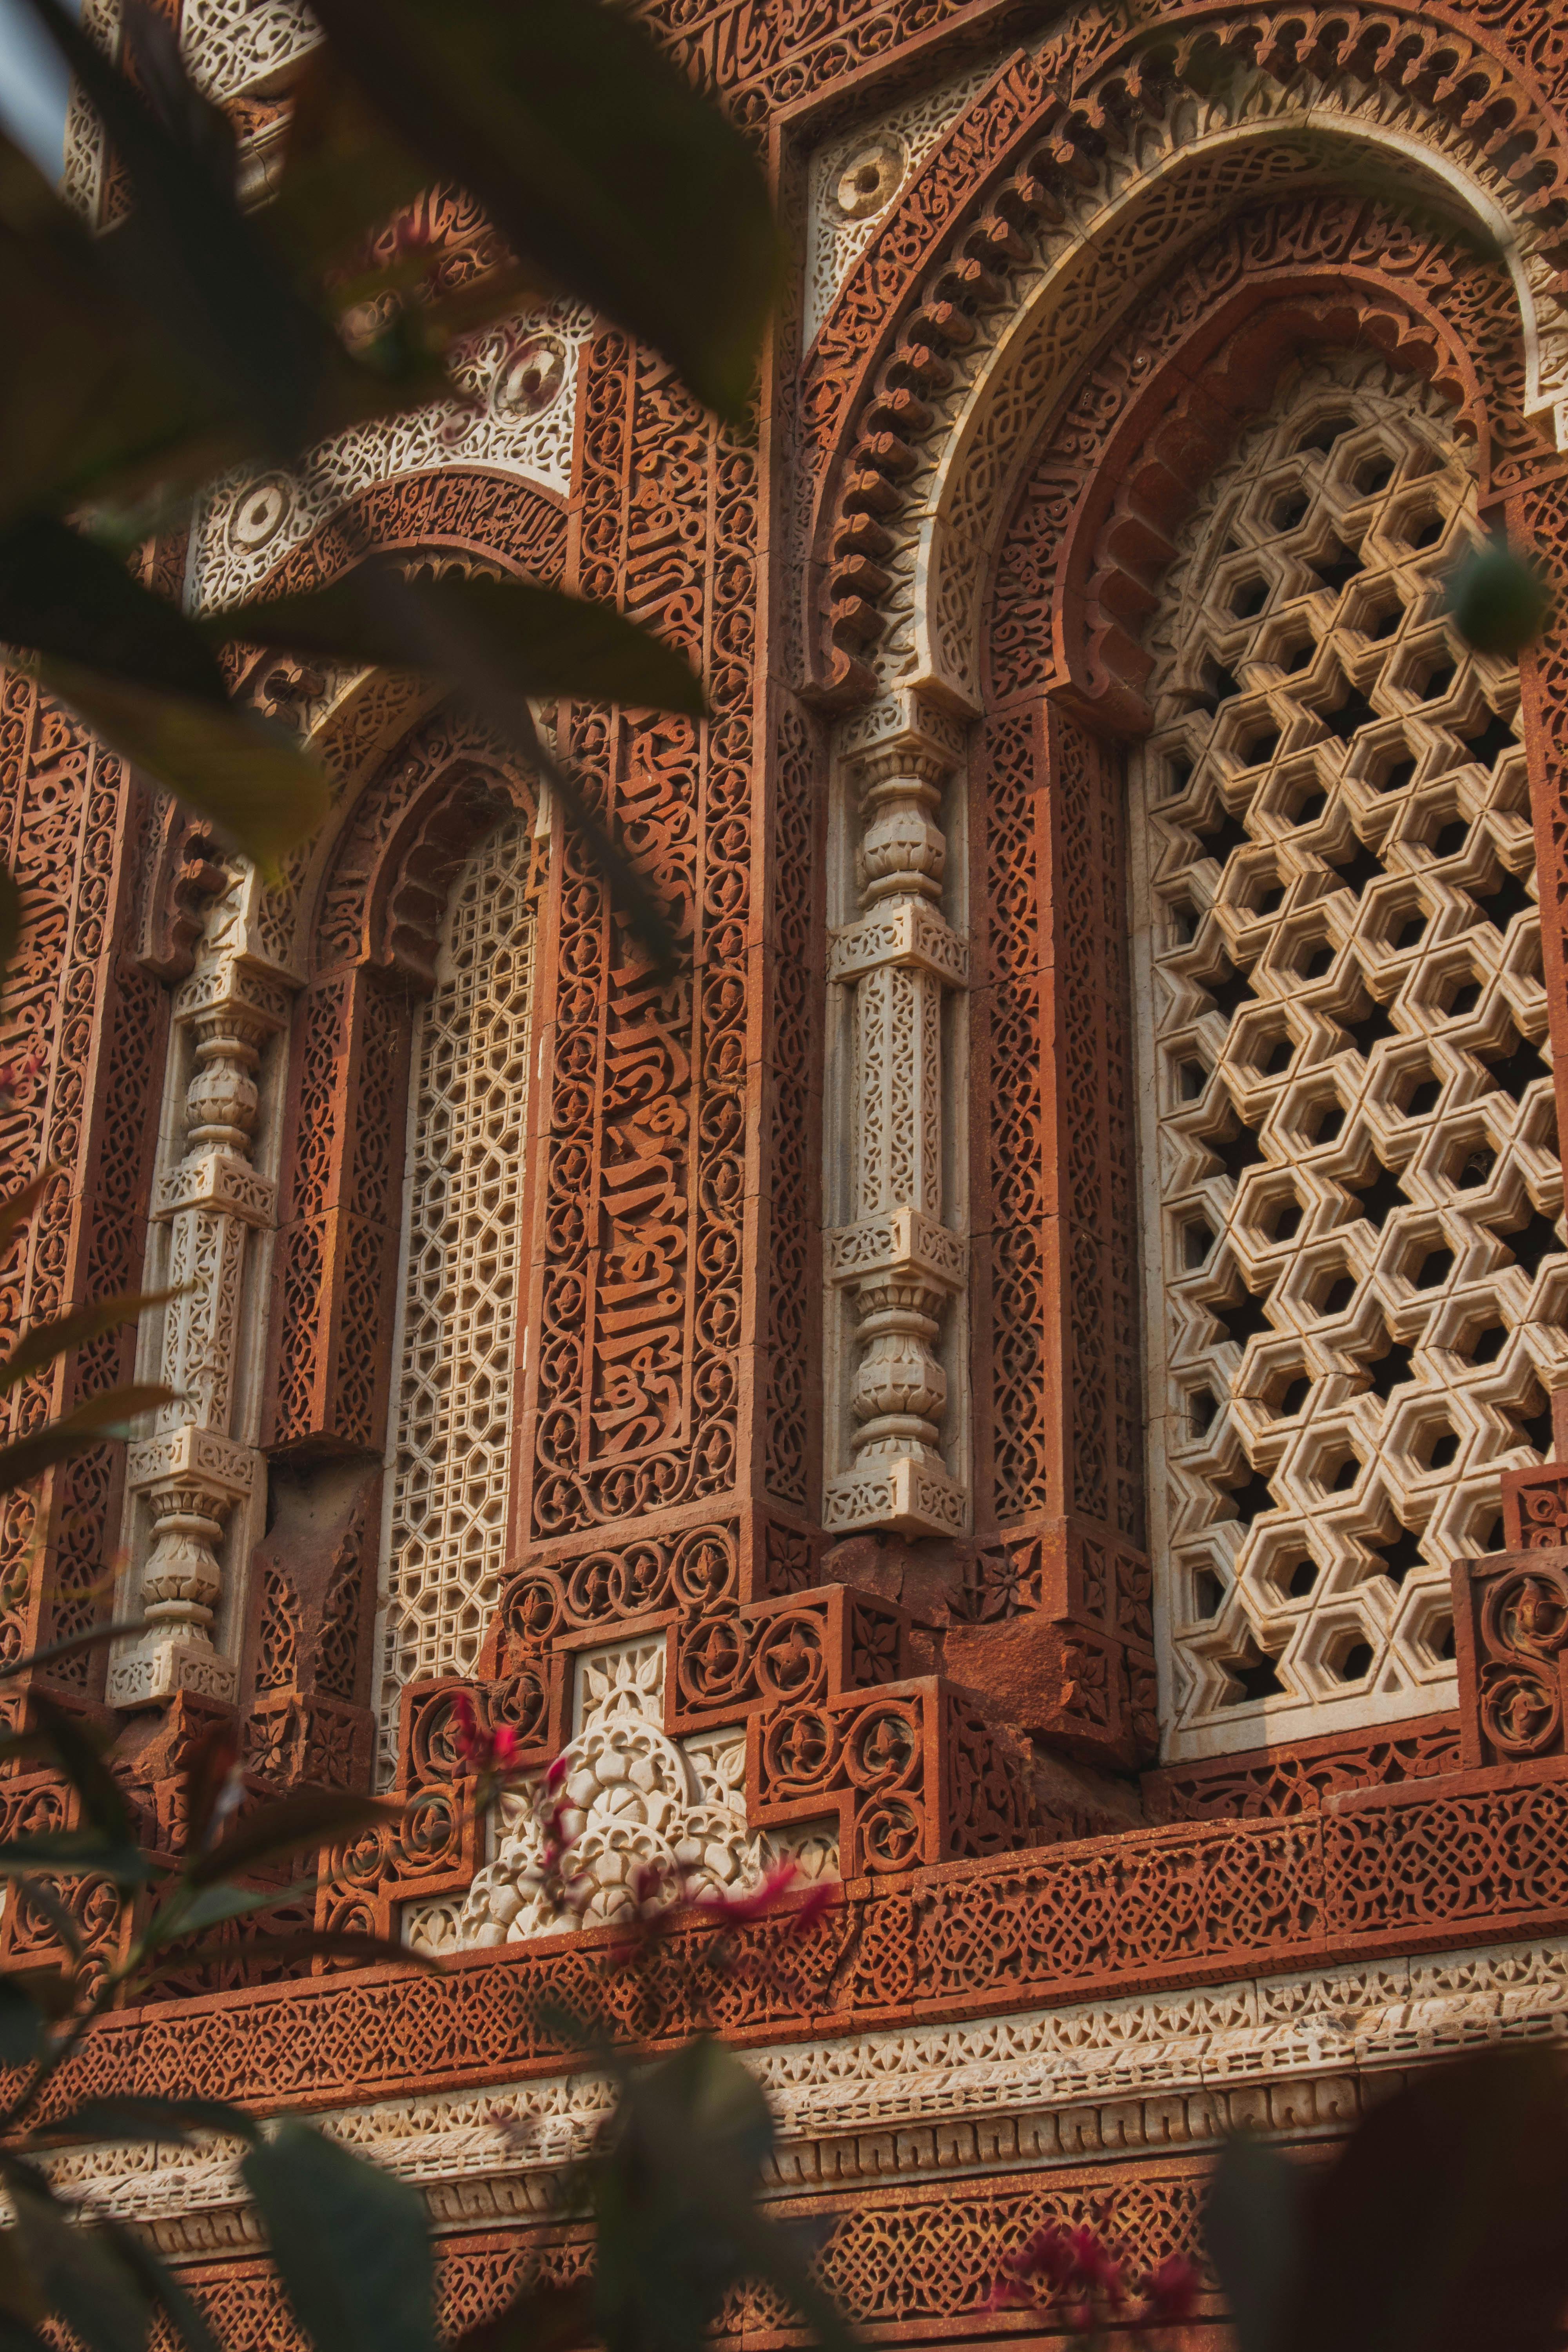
x,y
344,172
45,1341
246,773
1253,2225
161,2284
62,594
211,1766
346,1945
169,2120
188,253
102,1799
1499,602
85,2279
93,1639
531,640
543,2316
678,2223
282,1826
350,2242
21,2300
23,2035
76,1854
100,1418
190,1911
596,159
1443,2224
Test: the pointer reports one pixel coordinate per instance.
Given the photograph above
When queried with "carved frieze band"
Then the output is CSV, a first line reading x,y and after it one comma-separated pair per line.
x,y
1294,2056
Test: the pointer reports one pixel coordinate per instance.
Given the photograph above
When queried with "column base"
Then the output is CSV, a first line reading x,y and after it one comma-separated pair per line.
x,y
907,1497
154,1672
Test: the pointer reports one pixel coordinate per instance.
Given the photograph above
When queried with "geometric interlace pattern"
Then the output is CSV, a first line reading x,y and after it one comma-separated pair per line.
x,y
462,1275
1348,1143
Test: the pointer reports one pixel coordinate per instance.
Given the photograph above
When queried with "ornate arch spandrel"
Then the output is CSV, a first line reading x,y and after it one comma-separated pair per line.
x,y
920,390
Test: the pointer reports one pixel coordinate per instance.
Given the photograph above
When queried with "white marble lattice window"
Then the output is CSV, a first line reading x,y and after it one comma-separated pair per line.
x,y
1356,1279
464,1258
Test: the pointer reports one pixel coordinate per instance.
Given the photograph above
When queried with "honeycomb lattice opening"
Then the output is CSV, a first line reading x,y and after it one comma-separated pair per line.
x,y
462,1273
1334,879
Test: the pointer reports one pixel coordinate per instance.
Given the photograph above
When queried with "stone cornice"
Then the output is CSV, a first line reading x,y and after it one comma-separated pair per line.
x,y
1290,2055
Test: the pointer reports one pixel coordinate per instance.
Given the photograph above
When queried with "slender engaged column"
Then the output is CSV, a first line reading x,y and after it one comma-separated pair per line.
x,y
213,1202
898,1263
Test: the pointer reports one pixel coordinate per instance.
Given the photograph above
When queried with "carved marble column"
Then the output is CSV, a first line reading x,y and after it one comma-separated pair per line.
x,y
897,1263
214,1205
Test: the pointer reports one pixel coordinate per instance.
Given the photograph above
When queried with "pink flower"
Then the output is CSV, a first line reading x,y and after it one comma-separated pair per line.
x,y
823,1898
490,1755
1094,2265
740,1910
1171,2292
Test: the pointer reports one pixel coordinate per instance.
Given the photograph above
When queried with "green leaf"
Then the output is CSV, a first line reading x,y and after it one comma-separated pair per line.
x,y
93,1639
102,1799
303,1818
1443,2225
91,1423
76,1853
45,1341
350,2242
246,773
169,2120
1499,602
544,2316
344,172
23,2038
1253,2225
190,1911
299,1944
677,2223
161,2284
22,2303
188,253
84,2278
533,641
596,159
64,596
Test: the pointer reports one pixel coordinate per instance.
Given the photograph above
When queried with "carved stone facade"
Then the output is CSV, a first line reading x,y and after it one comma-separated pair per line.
x,y
1021,1374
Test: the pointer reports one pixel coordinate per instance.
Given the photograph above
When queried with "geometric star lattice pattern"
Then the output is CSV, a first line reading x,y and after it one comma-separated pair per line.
x,y
1357,1280
463,1261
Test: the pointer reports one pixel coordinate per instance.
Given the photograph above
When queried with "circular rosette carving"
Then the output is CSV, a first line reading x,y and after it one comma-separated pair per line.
x,y
883,1749
1521,1712
1526,1615
531,1612
522,1701
430,1834
715,1662
889,1835
596,1588
703,1568
435,1746
800,1751
790,1664
365,1859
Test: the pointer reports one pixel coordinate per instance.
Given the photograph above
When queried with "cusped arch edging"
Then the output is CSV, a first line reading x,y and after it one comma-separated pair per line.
x,y
1090,530
352,720
923,389
372,923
